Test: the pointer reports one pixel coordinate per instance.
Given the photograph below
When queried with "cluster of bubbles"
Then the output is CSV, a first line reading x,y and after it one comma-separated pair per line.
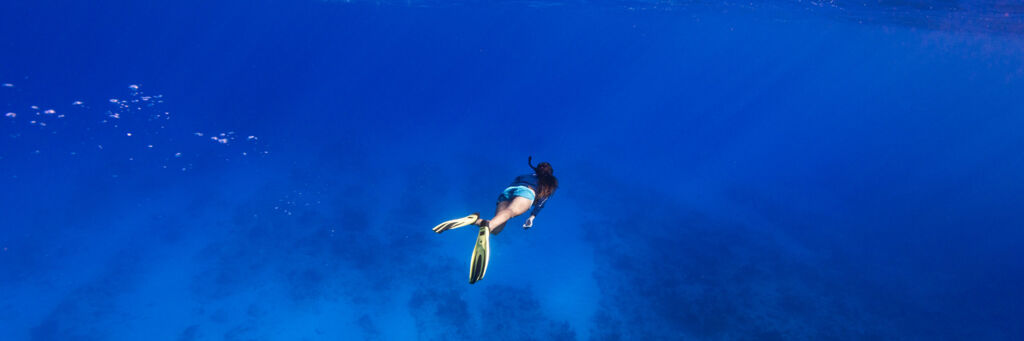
x,y
36,116
136,127
293,201
139,121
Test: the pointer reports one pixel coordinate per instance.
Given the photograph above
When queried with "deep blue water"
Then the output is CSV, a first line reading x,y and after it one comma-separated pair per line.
x,y
780,170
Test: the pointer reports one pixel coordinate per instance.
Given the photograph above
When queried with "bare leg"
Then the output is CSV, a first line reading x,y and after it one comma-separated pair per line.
x,y
502,206
507,210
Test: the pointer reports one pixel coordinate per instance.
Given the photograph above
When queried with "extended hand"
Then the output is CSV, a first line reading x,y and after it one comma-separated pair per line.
x,y
528,223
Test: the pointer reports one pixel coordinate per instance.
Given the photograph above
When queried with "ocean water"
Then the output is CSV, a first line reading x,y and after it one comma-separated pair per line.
x,y
270,170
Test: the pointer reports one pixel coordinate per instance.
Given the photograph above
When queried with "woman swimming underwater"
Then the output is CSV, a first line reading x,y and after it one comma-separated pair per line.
x,y
527,190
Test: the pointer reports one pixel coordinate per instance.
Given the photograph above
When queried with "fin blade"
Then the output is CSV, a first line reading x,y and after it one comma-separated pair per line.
x,y
481,255
457,223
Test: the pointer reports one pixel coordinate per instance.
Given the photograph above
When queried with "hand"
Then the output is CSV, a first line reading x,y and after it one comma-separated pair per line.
x,y
528,223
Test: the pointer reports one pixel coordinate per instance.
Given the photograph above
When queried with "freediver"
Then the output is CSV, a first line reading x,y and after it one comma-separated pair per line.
x,y
526,191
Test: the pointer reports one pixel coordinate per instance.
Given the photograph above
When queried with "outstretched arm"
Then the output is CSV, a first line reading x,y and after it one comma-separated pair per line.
x,y
533,214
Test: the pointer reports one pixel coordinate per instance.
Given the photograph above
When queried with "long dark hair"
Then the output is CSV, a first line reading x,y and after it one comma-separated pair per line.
x,y
546,179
